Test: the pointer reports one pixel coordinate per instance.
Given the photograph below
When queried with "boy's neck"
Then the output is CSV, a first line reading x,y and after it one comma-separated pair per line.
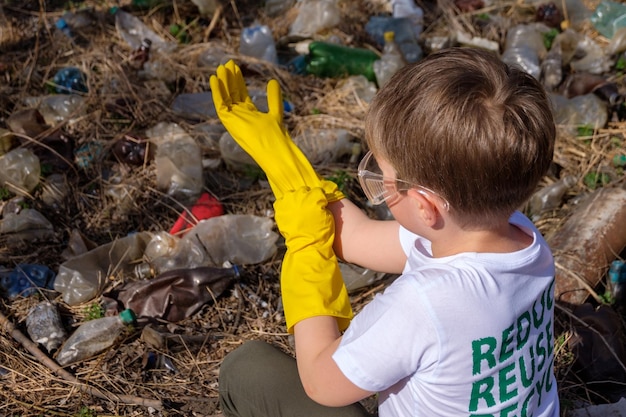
x,y
504,238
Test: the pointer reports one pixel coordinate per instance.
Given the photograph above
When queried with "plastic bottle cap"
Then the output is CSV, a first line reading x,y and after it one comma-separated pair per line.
x,y
389,36
128,316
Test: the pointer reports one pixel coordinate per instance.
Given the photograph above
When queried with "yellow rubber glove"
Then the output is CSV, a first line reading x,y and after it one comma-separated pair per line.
x,y
311,282
263,135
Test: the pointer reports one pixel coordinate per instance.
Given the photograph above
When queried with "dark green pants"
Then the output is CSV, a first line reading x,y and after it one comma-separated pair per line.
x,y
259,380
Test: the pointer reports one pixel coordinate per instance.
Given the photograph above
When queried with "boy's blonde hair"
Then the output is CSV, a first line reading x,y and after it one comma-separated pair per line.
x,y
464,124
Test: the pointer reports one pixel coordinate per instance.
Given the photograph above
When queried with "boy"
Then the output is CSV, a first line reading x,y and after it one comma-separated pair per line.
x,y
458,141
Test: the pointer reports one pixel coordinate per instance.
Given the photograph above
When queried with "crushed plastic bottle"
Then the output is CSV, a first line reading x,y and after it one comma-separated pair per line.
x,y
552,67
178,161
26,225
524,47
82,277
20,171
58,108
593,60
315,16
550,196
93,337
390,61
44,326
584,110
133,31
176,294
257,41
25,280
241,239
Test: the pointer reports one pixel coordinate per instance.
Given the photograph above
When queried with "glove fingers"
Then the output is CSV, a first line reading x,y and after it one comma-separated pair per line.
x,y
221,98
236,84
275,101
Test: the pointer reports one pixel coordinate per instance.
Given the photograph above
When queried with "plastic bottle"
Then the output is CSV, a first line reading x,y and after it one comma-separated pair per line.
x,y
44,326
82,277
584,110
552,67
25,279
411,11
20,171
274,8
257,41
233,155
390,61
524,46
356,277
70,80
57,108
617,283
165,252
608,17
93,337
404,35
62,25
324,145
178,161
240,239
332,60
24,226
176,294
594,59
550,196
315,16
134,31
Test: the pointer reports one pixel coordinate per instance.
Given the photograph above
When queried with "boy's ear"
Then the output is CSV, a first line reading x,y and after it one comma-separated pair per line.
x,y
426,206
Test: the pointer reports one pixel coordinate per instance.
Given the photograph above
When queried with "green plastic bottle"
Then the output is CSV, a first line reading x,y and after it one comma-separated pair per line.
x,y
332,60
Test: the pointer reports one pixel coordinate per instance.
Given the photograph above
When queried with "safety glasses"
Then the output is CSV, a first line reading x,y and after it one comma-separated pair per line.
x,y
379,189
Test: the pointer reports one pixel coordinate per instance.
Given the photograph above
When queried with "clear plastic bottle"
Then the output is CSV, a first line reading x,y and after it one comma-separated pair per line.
x,y
44,326
20,170
411,11
93,337
178,161
315,16
550,196
134,31
257,41
82,277
552,67
390,61
524,46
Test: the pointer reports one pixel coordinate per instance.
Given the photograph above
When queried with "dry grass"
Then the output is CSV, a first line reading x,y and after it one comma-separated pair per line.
x,y
32,51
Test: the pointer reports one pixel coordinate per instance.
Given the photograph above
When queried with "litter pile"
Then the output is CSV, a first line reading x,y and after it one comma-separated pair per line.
x,y
137,240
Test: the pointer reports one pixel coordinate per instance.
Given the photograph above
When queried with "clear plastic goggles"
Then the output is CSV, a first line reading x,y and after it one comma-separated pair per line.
x,y
379,189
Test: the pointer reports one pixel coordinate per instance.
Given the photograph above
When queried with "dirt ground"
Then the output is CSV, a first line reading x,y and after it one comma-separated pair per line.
x,y
162,368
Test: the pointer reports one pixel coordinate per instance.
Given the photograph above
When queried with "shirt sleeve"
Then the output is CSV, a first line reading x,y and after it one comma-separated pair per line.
x,y
389,339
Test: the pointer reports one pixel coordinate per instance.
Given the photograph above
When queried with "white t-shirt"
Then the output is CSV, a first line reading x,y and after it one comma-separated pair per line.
x,y
465,335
